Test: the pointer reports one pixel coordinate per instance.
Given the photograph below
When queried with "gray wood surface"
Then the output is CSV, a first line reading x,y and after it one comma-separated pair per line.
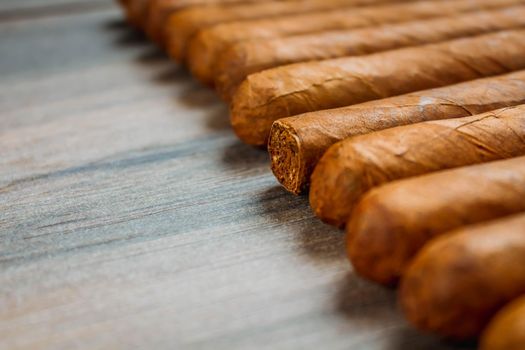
x,y
132,218
48,5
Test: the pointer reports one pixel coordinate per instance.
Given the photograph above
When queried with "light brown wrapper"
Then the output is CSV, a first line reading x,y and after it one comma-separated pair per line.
x,y
506,331
394,221
251,56
353,166
159,11
297,143
303,87
205,48
183,25
460,280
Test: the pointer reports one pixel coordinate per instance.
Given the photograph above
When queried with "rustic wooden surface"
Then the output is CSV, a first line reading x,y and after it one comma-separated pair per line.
x,y
131,217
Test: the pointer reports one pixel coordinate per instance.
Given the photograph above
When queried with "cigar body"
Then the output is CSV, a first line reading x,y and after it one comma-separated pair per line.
x,y
207,45
394,221
507,330
303,87
183,25
460,280
158,12
139,10
297,143
353,166
251,56
136,10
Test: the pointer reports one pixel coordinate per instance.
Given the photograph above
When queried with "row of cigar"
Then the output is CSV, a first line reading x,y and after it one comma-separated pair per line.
x,y
405,121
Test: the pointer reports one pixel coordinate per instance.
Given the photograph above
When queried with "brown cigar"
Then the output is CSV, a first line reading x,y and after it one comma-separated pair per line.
x,y
136,10
303,87
394,221
158,12
506,331
207,45
251,56
297,143
353,166
127,7
460,280
183,25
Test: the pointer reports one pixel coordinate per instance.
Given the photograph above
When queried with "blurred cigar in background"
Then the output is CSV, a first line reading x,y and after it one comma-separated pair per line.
x,y
255,55
183,25
303,87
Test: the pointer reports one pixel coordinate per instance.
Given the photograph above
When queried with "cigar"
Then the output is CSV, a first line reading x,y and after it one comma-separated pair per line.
x,y
183,25
158,12
136,10
506,331
206,46
353,166
250,56
303,87
296,143
393,222
460,280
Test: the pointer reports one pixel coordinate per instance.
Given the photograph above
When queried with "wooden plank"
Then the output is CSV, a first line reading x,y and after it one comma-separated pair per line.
x,y
132,217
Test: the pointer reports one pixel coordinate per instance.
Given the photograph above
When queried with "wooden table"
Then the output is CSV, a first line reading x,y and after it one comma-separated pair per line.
x,y
131,217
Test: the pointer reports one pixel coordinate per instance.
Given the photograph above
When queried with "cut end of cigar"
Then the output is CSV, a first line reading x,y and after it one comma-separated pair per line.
x,y
285,154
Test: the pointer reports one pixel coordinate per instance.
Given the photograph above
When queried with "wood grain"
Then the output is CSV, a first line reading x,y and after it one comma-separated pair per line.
x,y
131,217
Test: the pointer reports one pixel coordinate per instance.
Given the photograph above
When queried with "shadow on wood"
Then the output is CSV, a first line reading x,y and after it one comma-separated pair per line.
x,y
173,74
152,56
319,242
127,36
238,154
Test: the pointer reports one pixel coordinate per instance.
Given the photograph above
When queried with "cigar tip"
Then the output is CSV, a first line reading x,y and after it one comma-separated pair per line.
x,y
248,122
150,26
200,57
158,18
445,262
229,71
177,30
371,241
336,184
418,300
506,329
284,147
238,117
